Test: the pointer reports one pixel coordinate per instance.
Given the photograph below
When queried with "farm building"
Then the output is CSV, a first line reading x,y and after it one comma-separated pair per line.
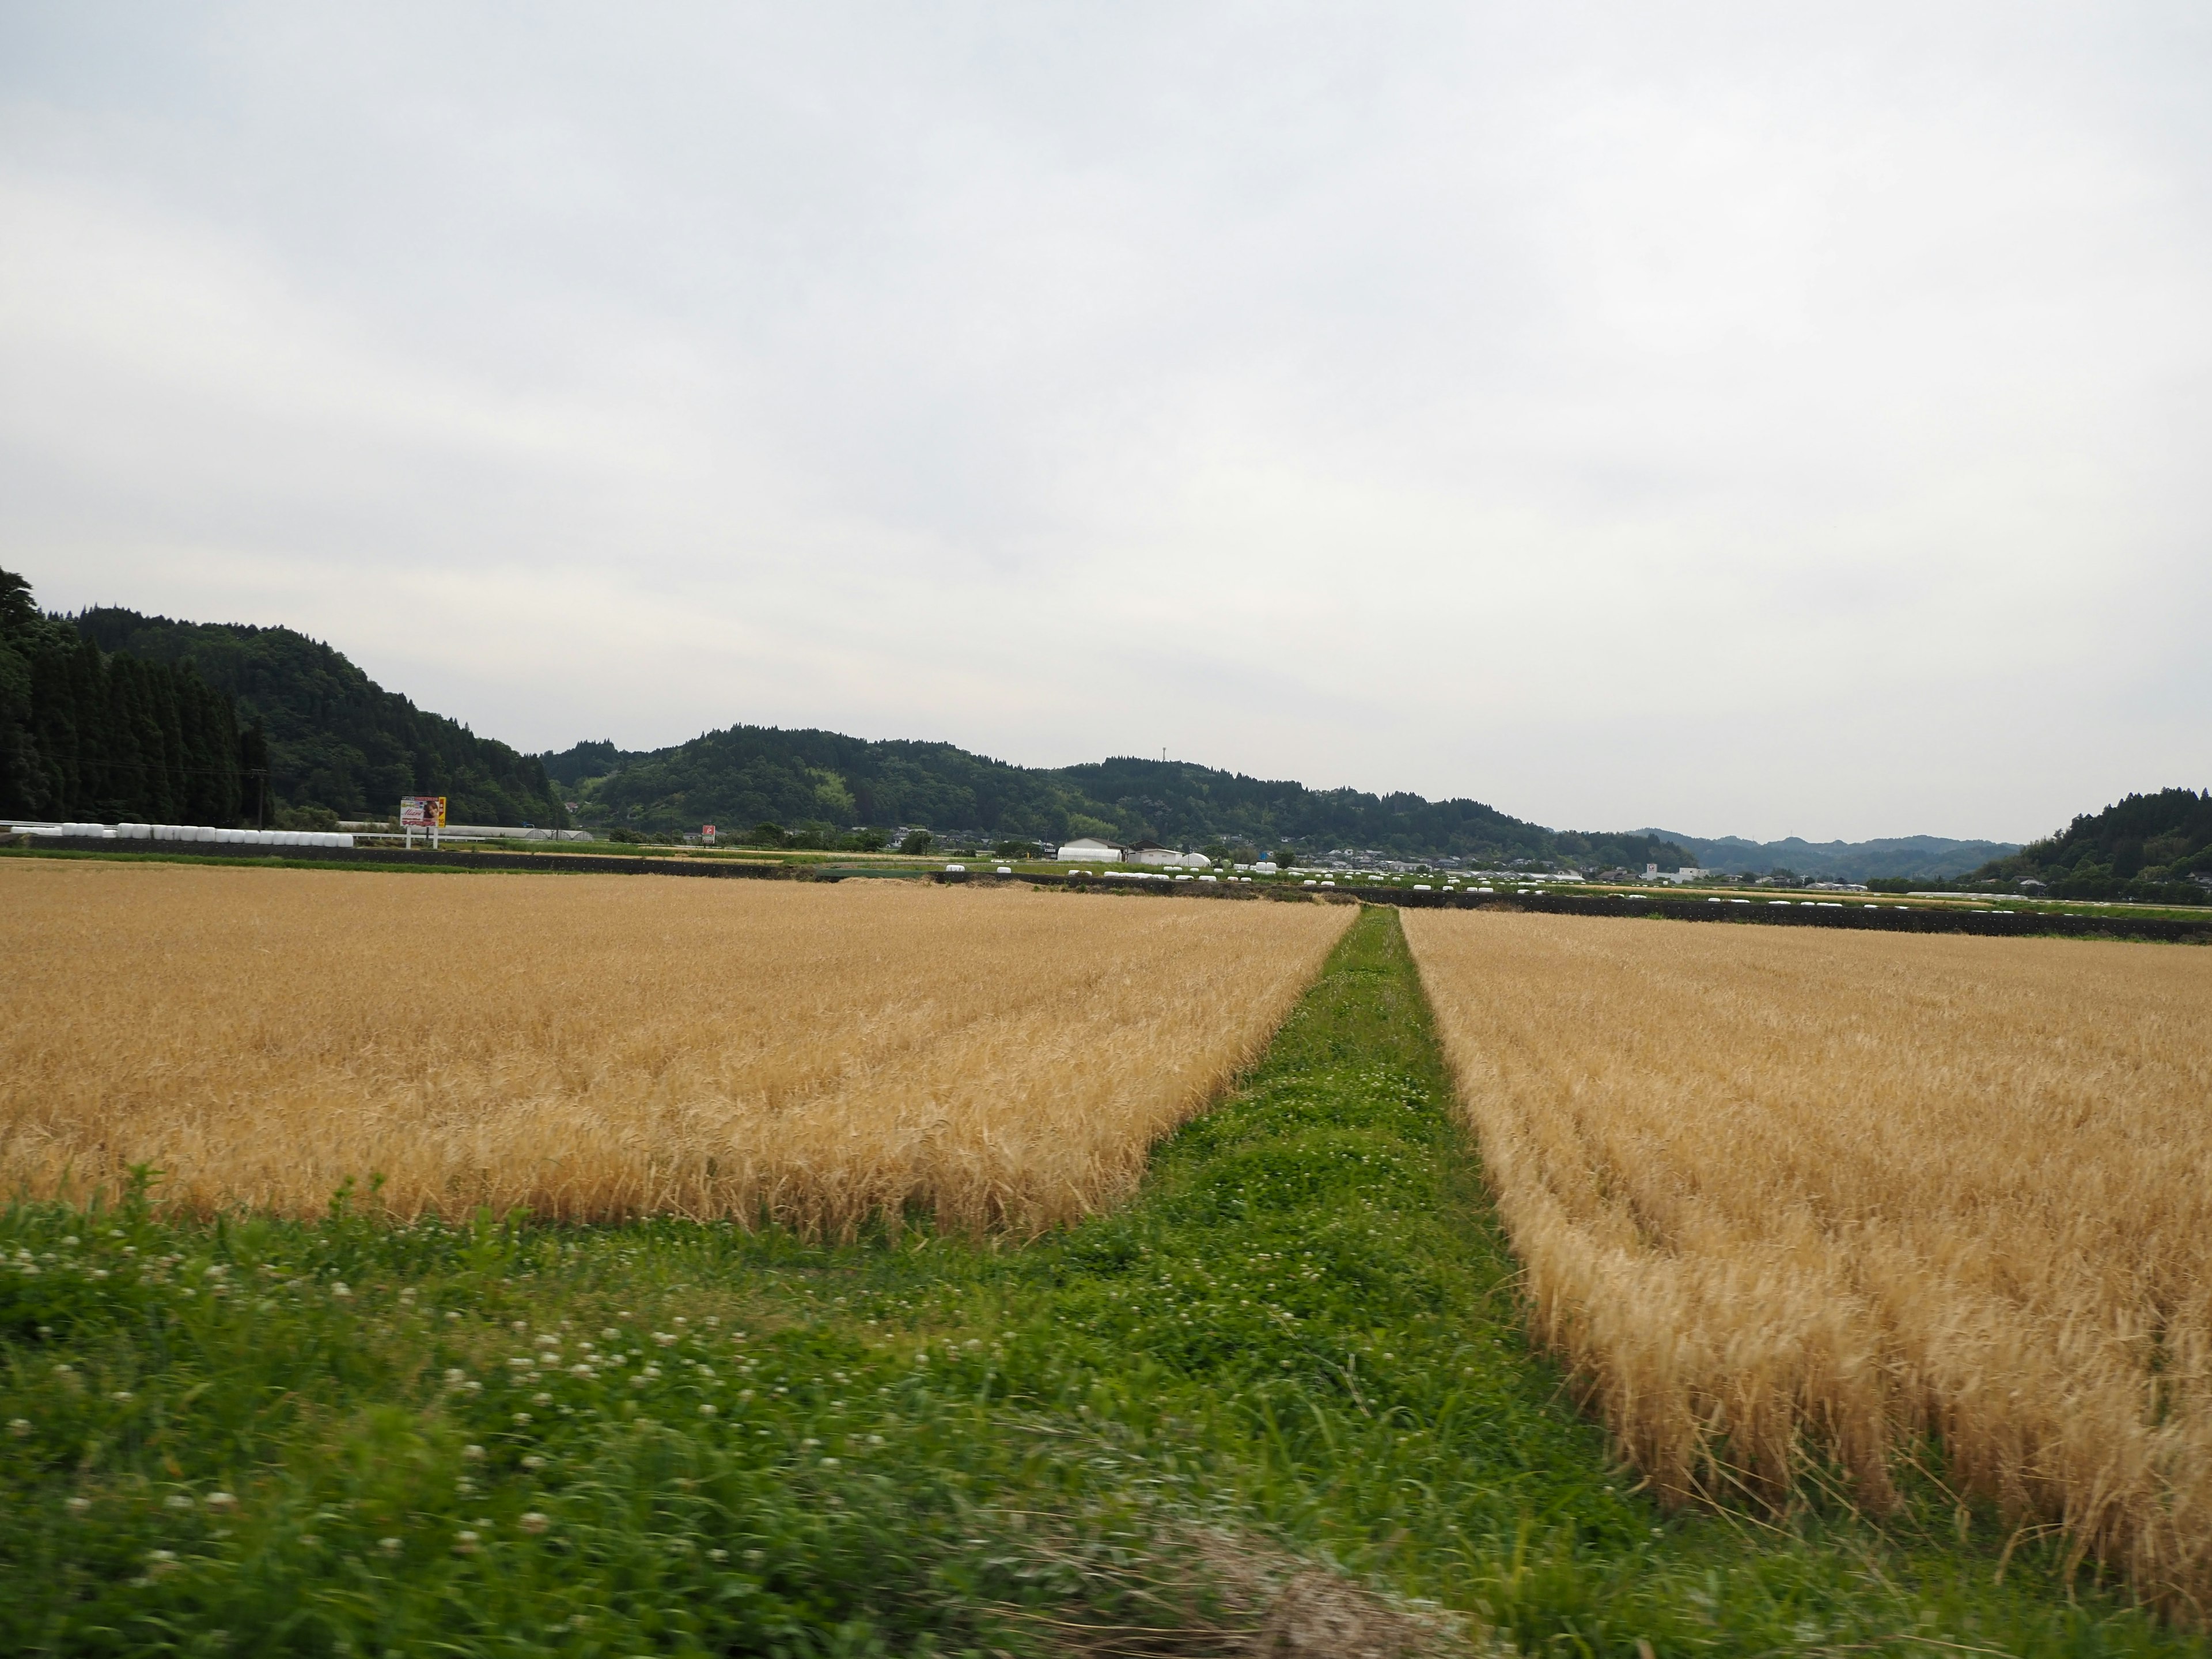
x,y
1087,849
1151,851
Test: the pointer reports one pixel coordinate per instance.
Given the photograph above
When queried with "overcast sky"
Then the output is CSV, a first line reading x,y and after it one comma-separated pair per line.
x,y
1748,420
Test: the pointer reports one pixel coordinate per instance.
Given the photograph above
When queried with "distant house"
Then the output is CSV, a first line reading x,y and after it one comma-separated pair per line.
x,y
1088,849
1151,851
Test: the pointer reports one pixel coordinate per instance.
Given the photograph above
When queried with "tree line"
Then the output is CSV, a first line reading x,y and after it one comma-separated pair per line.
x,y
2155,849
339,745
88,734
826,783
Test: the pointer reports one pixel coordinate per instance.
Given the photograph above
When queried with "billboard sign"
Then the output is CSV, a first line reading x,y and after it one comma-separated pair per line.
x,y
707,834
423,811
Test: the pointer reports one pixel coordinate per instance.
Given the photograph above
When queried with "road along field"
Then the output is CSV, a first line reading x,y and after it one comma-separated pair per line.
x,y
604,1047
1792,1202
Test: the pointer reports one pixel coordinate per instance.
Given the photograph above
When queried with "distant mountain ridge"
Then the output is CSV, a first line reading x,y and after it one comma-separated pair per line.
x,y
149,719
1933,857
747,775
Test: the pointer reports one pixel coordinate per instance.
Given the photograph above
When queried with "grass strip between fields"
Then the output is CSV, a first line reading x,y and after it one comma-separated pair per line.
x,y
1281,1403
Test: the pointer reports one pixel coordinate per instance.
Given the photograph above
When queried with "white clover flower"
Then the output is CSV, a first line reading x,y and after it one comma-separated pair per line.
x,y
473,1454
533,1522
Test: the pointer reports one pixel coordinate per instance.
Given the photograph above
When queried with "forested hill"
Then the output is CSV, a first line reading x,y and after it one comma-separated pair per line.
x,y
84,734
337,740
2146,846
748,774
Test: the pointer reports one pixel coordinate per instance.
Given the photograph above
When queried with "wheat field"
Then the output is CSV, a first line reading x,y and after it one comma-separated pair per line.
x,y
597,1047
1790,1202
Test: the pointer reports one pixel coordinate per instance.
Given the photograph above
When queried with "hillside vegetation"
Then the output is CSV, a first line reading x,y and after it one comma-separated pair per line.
x,y
748,775
84,734
2146,846
338,740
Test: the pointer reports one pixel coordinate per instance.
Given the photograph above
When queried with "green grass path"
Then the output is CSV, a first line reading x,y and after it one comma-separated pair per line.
x,y
1301,1344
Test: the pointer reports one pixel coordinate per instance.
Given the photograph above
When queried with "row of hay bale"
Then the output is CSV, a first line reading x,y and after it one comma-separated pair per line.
x,y
191,832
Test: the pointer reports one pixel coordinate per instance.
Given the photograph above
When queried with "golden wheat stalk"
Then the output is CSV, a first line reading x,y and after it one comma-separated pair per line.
x,y
600,1048
1796,1197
